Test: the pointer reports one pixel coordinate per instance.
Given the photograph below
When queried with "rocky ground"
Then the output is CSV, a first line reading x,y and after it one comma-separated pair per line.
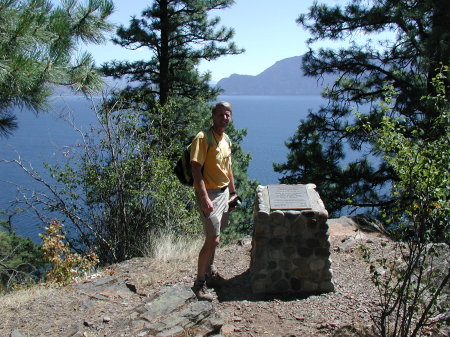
x,y
114,302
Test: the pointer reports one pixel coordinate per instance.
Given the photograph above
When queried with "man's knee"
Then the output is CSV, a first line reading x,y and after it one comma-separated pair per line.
x,y
211,242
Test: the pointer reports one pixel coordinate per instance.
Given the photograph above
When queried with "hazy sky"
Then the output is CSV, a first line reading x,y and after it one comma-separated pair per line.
x,y
266,29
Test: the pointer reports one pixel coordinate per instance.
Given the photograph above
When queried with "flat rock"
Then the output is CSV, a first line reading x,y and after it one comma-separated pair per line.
x,y
169,299
175,310
105,287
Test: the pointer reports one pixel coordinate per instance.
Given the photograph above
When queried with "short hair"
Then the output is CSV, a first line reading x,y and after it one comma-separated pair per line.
x,y
223,104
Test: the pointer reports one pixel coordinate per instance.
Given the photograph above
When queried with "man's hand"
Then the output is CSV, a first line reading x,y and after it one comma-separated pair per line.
x,y
206,204
230,201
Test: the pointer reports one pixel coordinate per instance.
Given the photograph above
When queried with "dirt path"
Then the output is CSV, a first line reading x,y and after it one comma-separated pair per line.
x,y
350,305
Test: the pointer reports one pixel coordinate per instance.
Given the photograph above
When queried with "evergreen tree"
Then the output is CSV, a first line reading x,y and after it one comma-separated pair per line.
x,y
365,71
177,34
128,194
37,47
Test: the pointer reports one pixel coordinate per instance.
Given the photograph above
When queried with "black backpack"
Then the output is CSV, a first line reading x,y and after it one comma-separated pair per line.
x,y
183,169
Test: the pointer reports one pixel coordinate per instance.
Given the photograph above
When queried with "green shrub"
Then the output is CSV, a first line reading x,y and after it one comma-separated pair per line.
x,y
65,265
20,261
414,282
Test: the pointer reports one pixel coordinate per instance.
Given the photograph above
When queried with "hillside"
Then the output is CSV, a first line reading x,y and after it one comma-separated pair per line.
x,y
285,77
124,299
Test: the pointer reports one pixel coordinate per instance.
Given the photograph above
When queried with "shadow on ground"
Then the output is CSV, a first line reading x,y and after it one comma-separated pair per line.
x,y
238,288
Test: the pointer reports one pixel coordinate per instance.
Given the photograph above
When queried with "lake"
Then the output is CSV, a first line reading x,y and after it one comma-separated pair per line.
x,y
269,120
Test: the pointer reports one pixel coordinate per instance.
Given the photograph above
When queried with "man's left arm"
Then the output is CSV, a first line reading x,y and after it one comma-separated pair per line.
x,y
232,188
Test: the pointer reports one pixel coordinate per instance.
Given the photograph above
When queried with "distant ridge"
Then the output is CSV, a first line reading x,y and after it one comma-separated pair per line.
x,y
285,77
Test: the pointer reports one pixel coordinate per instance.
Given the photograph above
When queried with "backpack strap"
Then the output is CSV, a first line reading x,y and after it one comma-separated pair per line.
x,y
227,139
209,137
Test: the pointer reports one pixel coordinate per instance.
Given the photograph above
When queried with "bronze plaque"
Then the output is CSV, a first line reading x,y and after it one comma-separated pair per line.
x,y
288,197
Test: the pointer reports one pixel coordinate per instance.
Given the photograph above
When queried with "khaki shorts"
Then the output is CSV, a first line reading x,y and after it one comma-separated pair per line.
x,y
218,219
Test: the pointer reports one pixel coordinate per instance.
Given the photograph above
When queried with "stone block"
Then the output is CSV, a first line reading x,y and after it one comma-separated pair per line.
x,y
288,251
275,255
285,264
277,218
316,264
300,261
275,243
263,217
296,284
322,252
326,286
290,247
310,286
305,251
301,273
280,231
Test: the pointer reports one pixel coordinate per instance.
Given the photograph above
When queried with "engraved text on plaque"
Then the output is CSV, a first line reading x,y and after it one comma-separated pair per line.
x,y
288,197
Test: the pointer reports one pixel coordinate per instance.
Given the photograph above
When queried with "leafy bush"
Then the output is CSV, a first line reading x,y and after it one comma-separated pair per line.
x,y
120,189
414,281
20,260
65,265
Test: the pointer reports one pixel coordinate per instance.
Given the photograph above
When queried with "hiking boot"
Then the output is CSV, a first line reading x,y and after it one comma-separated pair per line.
x,y
214,280
201,291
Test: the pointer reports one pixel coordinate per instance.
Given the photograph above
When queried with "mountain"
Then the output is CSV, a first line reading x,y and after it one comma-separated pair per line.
x,y
285,77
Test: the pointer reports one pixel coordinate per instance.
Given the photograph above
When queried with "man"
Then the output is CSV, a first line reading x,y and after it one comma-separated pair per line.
x,y
214,187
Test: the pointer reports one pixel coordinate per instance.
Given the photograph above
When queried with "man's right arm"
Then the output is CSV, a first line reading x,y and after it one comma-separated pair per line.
x,y
199,185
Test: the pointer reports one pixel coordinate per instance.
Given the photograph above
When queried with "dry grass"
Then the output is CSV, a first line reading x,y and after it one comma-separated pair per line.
x,y
168,247
176,252
22,297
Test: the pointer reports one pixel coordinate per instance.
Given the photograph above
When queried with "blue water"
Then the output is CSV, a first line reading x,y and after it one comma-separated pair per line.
x,y
269,120
39,138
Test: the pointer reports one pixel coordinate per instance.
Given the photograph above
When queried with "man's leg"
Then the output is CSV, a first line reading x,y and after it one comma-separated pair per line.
x,y
211,268
212,225
206,255
204,258
213,278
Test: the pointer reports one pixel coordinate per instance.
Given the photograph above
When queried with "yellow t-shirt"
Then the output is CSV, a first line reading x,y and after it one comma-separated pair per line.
x,y
216,159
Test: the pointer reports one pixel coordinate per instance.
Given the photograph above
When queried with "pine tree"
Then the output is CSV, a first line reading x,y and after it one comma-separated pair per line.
x,y
170,93
177,35
37,48
365,73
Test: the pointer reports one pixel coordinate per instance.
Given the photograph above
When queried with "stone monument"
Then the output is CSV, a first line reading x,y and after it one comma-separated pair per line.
x,y
290,244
